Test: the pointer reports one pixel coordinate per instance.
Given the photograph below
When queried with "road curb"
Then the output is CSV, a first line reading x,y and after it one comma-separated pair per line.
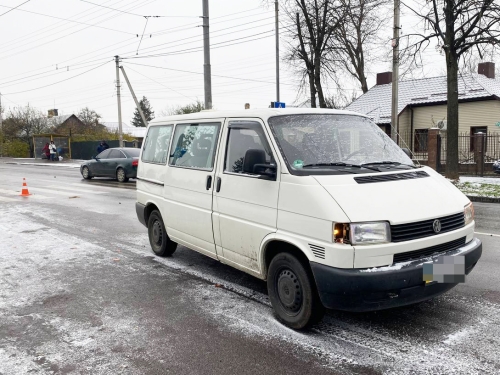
x,y
475,198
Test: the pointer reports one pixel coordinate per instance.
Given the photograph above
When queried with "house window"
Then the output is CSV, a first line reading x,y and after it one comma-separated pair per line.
x,y
473,131
420,140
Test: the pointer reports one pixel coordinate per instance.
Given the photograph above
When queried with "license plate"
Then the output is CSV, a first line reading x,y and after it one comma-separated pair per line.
x,y
446,269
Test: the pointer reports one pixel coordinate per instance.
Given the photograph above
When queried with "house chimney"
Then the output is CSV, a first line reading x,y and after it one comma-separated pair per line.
x,y
487,69
384,78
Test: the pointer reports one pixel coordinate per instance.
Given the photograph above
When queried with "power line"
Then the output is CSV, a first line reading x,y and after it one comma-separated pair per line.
x,y
160,83
64,36
214,75
11,9
68,20
135,14
55,83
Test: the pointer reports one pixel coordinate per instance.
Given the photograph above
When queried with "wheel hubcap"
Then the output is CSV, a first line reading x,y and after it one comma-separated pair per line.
x,y
121,174
157,233
85,172
289,291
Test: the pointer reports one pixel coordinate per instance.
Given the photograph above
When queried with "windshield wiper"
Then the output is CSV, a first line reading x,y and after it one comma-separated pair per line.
x,y
389,163
338,164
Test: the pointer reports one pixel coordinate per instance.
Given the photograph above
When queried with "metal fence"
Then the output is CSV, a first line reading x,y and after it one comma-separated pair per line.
x,y
416,141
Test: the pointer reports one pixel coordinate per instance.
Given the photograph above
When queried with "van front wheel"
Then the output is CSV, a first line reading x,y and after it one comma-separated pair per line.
x,y
158,238
292,292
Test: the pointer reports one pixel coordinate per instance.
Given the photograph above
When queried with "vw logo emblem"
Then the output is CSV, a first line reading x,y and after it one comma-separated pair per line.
x,y
436,225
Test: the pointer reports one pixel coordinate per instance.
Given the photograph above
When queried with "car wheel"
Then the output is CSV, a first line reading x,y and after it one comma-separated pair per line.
x,y
86,173
121,176
158,238
292,292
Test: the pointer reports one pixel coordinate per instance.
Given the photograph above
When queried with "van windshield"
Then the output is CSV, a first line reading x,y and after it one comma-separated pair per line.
x,y
330,144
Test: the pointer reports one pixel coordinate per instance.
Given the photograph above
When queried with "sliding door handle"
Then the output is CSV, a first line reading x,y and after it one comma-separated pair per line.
x,y
209,182
218,184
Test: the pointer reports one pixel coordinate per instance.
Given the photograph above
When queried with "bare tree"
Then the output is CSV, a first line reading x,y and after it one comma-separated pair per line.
x,y
461,27
313,24
357,39
24,122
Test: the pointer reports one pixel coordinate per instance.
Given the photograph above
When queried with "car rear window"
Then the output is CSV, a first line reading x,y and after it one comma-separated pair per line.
x,y
134,152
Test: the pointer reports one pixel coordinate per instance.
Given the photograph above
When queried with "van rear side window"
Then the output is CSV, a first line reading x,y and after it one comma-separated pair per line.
x,y
155,149
194,145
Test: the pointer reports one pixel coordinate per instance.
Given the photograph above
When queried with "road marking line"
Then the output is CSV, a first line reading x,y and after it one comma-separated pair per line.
x,y
5,199
73,190
18,193
53,191
488,234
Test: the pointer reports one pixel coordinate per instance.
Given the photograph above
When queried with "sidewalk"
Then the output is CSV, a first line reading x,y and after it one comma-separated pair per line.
x,y
69,163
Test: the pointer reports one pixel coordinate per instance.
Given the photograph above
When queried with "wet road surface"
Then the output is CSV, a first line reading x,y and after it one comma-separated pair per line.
x,y
81,292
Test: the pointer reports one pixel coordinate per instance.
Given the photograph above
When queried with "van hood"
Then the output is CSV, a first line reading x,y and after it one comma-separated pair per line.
x,y
399,201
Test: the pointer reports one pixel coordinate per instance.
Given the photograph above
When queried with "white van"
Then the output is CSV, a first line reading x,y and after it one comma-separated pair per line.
x,y
320,203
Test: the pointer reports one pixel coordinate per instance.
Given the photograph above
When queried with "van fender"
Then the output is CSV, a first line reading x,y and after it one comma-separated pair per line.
x,y
283,238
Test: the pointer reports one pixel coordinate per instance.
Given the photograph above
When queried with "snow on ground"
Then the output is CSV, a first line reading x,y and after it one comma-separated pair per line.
x,y
480,180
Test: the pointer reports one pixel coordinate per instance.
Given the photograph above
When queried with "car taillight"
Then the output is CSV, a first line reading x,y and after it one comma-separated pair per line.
x,y
135,162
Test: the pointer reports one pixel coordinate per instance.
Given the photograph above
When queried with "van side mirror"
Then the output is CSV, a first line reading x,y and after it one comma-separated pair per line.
x,y
406,151
255,162
268,170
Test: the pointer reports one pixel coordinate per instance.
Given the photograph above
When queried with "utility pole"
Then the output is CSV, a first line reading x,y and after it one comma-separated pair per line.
x,y
395,74
207,73
120,130
135,98
277,51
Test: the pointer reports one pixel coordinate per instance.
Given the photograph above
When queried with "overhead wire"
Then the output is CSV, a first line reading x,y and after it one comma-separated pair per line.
x,y
55,83
64,36
11,9
135,14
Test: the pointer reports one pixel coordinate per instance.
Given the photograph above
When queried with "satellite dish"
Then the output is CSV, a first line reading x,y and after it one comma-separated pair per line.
x,y
442,125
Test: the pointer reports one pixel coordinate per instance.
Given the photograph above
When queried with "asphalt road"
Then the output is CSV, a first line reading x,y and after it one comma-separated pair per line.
x,y
81,293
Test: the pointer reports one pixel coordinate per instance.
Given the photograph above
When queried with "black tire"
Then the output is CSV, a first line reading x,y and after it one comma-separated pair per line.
x,y
86,173
158,238
293,293
121,176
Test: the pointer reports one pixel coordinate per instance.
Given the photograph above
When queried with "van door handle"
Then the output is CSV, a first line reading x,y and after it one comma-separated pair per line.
x,y
209,182
218,184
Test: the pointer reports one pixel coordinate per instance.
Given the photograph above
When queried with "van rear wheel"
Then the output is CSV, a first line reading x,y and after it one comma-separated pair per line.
x,y
161,244
293,293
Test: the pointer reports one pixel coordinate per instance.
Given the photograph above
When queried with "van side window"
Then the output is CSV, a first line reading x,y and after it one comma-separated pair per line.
x,y
155,149
246,146
194,145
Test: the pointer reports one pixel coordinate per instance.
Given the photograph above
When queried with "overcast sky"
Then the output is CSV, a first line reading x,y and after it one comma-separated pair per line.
x,y
59,54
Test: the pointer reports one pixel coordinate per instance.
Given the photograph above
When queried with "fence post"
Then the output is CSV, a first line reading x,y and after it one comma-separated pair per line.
x,y
433,154
479,140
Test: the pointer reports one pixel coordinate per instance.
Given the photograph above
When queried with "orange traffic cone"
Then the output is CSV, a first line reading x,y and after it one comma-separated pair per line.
x,y
25,192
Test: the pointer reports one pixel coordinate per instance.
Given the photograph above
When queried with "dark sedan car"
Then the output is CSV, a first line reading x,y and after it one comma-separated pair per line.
x,y
120,163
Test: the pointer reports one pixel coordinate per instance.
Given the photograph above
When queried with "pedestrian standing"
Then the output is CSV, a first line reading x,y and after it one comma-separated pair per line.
x,y
100,148
46,151
53,151
105,146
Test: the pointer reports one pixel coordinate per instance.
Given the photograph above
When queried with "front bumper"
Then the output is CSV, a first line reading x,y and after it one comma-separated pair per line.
x,y
384,287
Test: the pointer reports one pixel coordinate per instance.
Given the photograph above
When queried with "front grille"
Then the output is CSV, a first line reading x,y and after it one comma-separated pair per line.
x,y
428,251
390,177
420,229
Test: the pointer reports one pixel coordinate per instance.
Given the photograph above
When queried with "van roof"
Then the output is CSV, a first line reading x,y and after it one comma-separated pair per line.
x,y
263,113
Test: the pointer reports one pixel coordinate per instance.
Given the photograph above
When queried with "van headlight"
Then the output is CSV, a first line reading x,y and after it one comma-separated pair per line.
x,y
370,233
469,213
362,233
